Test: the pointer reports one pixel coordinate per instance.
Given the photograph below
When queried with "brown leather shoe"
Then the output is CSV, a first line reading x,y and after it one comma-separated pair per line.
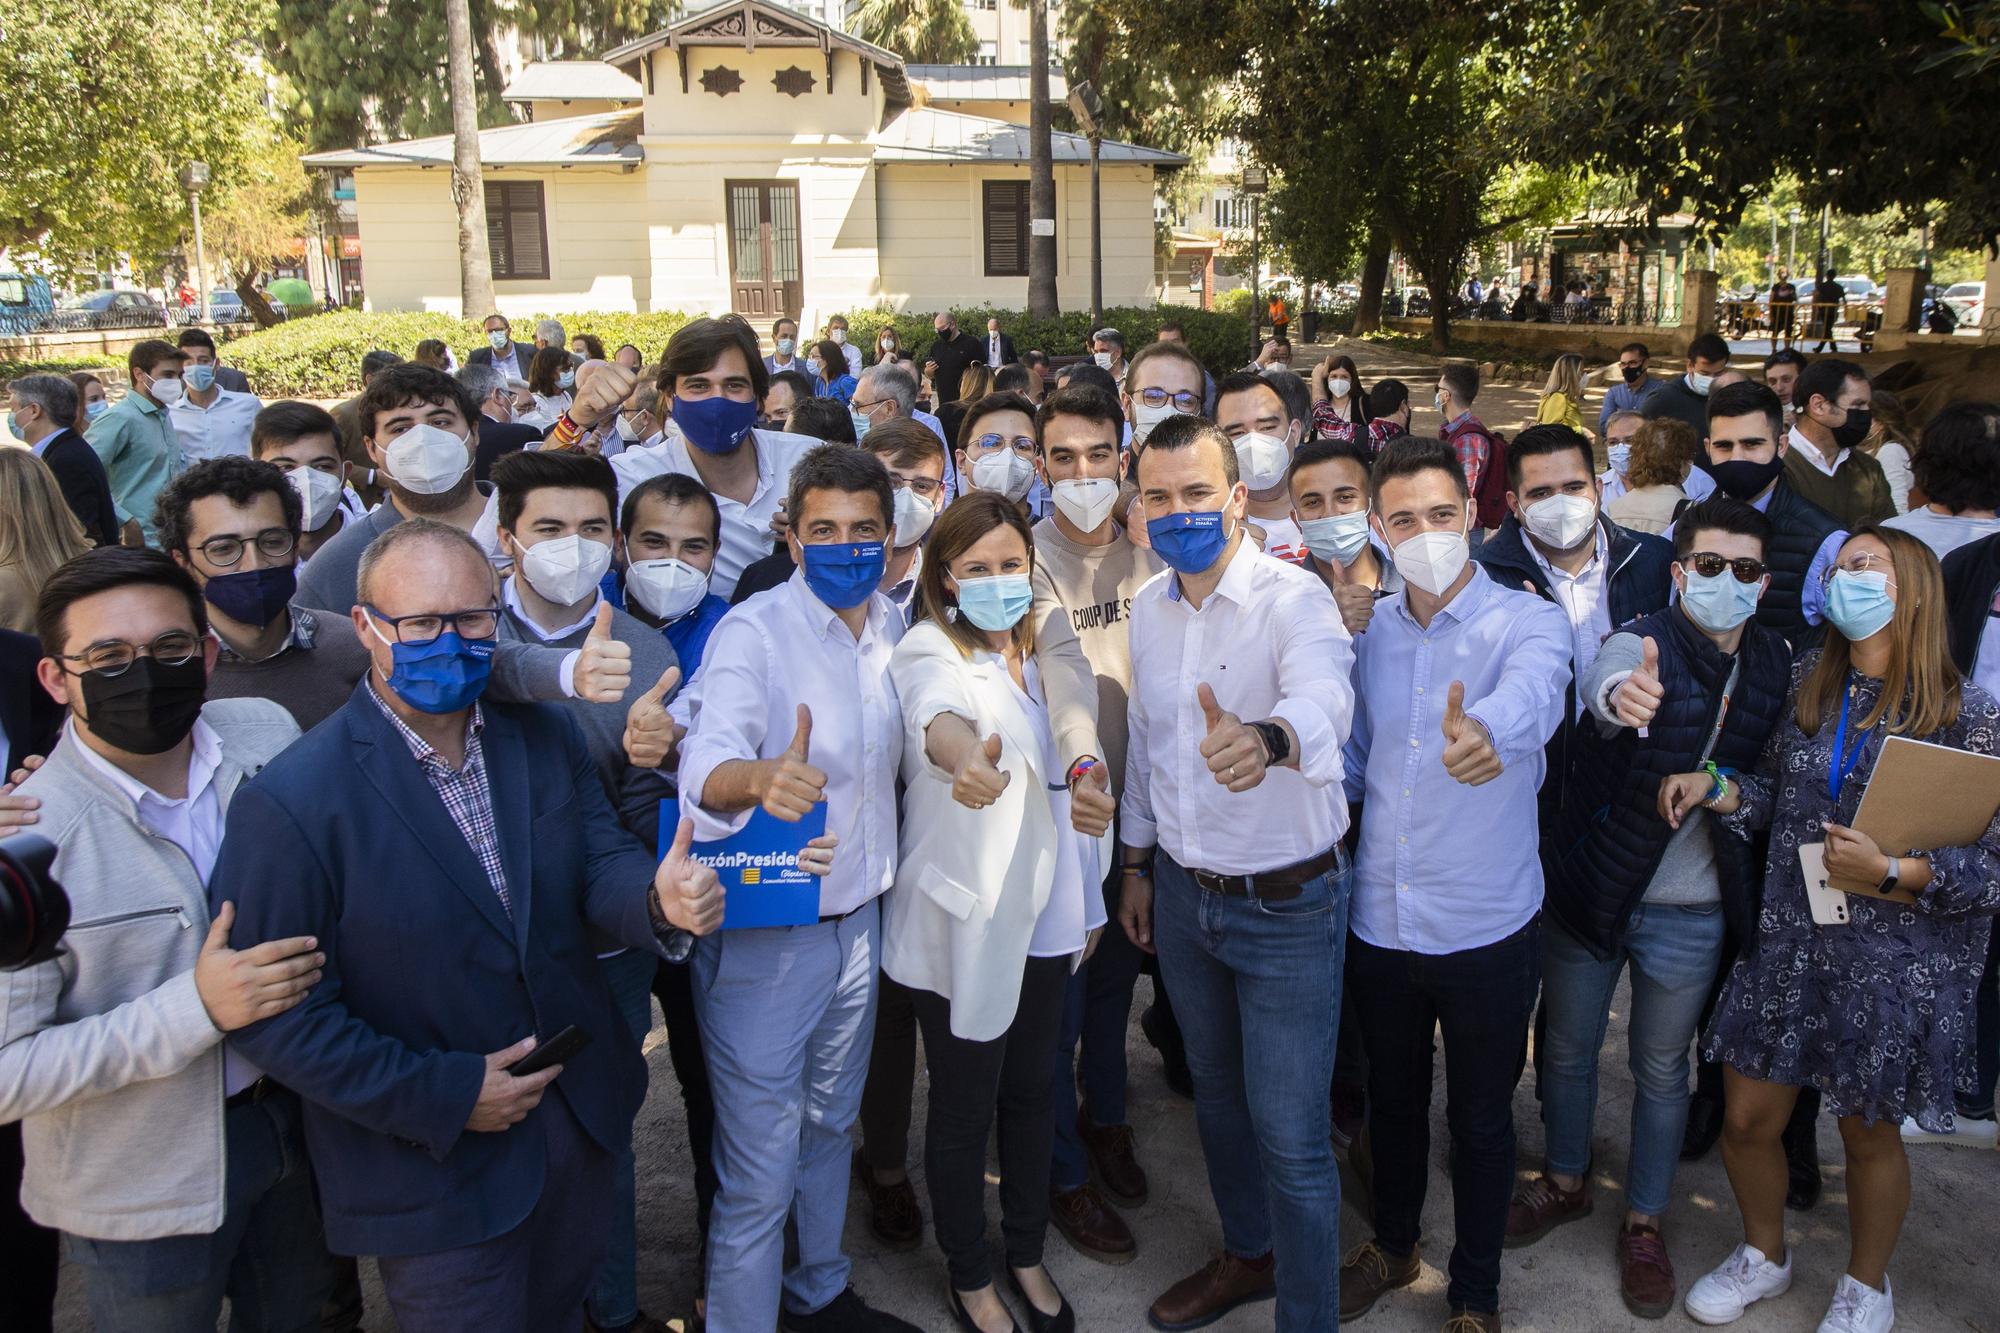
x,y
1212,1291
893,1214
1118,1170
1472,1321
1540,1206
1091,1226
1369,1272
1645,1274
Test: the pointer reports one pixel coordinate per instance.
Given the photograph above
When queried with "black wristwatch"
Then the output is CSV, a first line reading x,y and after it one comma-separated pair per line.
x,y
1277,744
676,943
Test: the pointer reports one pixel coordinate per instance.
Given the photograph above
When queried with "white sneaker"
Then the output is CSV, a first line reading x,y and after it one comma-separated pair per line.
x,y
1859,1308
1964,1130
1744,1277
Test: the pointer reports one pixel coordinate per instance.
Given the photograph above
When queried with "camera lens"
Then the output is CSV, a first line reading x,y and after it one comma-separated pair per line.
x,y
34,910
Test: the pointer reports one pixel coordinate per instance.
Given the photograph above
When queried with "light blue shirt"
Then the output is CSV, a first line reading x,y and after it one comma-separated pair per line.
x,y
1443,866
1622,397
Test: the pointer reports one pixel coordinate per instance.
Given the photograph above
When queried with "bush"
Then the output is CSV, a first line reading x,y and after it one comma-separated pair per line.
x,y
1222,342
319,356
1235,301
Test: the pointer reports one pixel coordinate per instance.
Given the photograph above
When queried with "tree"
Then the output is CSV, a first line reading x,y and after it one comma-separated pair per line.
x,y
923,32
1042,299
257,219
104,101
468,184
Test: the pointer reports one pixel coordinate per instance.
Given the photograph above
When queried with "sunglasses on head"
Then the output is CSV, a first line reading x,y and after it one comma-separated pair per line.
x,y
1708,565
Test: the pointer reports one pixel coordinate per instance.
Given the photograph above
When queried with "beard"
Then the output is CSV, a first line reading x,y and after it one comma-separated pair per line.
x,y
432,505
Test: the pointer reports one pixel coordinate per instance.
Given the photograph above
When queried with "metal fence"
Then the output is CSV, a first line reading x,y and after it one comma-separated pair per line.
x,y
20,323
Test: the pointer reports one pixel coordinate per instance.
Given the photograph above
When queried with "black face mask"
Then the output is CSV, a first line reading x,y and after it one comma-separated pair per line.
x,y
147,708
1632,374
1849,433
1744,480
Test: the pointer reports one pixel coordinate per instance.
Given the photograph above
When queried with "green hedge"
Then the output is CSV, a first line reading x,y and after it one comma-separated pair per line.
x,y
1221,341
320,356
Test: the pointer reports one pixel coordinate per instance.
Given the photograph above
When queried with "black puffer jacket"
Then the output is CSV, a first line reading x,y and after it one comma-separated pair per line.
x,y
1798,529
1609,838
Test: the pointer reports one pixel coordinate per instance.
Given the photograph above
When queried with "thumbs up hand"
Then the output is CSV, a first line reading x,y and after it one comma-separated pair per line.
x,y
1235,753
1090,805
978,781
604,664
650,734
791,785
689,892
1469,755
1636,701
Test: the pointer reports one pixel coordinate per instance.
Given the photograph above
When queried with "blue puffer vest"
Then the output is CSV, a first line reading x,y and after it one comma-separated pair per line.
x,y
1798,529
1609,838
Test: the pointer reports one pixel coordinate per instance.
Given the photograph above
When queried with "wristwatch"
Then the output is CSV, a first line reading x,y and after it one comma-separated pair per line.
x,y
1277,745
1888,884
674,942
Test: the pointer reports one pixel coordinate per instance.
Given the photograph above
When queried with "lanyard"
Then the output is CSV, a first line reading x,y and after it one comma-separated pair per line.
x,y
1843,760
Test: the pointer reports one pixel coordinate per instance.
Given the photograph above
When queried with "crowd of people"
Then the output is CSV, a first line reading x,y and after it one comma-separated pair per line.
x,y
376,743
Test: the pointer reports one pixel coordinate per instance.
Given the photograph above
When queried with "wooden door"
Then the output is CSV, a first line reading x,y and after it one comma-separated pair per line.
x,y
765,276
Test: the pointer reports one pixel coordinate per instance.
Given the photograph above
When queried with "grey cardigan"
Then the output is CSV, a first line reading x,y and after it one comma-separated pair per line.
x,y
107,1056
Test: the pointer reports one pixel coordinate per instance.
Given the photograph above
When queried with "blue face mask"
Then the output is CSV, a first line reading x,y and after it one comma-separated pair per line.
x,y
499,339
446,675
1719,602
1620,456
96,409
1858,603
566,380
997,602
1188,542
253,596
714,425
199,378
842,574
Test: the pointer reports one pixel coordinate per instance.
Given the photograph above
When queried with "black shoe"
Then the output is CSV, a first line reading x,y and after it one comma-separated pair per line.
x,y
965,1321
845,1313
1802,1178
1704,1126
1062,1321
1167,1041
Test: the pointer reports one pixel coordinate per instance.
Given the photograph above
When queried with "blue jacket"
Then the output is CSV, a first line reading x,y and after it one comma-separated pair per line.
x,y
343,838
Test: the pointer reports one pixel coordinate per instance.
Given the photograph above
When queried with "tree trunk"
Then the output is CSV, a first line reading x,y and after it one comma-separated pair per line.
x,y
1374,276
468,188
253,301
1042,301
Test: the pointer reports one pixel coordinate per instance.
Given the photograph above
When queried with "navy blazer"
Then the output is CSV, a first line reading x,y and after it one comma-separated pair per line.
x,y
31,719
343,838
86,488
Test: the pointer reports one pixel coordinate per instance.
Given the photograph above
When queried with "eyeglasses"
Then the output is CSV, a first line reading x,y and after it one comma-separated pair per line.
x,y
416,631
115,657
272,543
926,487
1021,444
1862,562
866,409
1183,401
1708,564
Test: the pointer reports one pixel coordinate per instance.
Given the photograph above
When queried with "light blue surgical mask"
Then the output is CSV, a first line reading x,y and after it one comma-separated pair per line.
x,y
1858,603
1719,602
785,346
566,380
862,424
1337,539
1620,455
93,411
499,339
199,378
996,602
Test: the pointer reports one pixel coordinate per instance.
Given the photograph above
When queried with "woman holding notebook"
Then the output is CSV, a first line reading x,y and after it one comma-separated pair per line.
x,y
1875,1012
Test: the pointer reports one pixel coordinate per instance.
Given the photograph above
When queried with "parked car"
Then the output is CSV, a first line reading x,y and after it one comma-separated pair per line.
x,y
1859,287
26,302
109,310
224,307
1967,300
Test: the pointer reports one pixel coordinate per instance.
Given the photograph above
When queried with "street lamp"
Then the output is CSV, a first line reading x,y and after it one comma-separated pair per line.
x,y
1792,243
1088,109
1255,182
194,178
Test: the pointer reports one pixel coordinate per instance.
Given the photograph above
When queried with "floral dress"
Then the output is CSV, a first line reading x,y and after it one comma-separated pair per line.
x,y
1877,1013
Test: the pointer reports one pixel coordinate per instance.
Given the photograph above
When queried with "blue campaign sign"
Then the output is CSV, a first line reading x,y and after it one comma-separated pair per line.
x,y
759,867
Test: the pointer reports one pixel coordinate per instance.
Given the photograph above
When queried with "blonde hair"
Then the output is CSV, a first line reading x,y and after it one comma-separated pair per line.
x,y
976,383
1921,686
37,530
1566,378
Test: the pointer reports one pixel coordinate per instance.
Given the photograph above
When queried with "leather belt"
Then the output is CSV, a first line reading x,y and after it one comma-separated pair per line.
x,y
1277,886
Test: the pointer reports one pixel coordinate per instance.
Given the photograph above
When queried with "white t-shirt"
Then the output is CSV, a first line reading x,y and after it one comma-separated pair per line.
x,y
1943,533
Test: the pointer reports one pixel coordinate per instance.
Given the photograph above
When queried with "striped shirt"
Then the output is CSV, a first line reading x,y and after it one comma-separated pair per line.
x,y
466,796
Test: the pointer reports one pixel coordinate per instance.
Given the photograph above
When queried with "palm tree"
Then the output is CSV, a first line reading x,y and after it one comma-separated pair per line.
x,y
468,186
923,32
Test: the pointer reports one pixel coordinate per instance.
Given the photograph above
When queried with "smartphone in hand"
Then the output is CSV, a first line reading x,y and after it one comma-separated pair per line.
x,y
556,1050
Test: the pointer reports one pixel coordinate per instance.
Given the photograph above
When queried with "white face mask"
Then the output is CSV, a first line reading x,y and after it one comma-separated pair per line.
x,y
319,493
1085,501
1144,418
1339,387
428,461
914,516
1563,521
838,335
566,569
1102,358
1004,471
1431,560
668,589
1261,459
626,430
167,390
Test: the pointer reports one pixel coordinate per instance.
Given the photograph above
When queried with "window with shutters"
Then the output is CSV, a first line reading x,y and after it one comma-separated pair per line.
x,y
1006,229
517,233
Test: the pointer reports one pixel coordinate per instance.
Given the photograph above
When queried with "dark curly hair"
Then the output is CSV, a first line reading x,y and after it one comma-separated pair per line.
x,y
237,479
1958,459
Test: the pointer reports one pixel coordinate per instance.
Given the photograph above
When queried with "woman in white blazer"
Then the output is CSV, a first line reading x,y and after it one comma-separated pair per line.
x,y
989,914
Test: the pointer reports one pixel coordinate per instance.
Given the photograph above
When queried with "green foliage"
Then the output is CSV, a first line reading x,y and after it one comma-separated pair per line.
x,y
320,356
1222,341
923,32
61,365
104,101
1235,301
1870,245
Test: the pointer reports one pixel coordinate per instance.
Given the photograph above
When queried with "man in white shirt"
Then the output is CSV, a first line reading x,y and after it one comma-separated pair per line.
x,y
1253,412
1233,870
1959,473
714,378
210,420
794,707
999,347
1460,683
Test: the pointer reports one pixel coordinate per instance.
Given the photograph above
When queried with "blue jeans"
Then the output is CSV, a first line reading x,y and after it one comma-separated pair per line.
x,y
614,1299
787,1019
1096,1009
268,1257
1256,985
1673,952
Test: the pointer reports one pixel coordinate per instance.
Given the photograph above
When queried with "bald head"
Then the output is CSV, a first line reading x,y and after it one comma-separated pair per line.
x,y
423,567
